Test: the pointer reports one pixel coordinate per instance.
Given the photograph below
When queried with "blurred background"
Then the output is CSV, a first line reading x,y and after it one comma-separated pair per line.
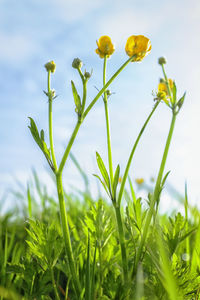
x,y
33,32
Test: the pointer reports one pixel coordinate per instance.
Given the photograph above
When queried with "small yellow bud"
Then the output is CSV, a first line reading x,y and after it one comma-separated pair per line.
x,y
50,66
162,60
77,63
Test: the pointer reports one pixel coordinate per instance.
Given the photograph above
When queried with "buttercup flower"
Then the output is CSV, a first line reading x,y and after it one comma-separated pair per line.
x,y
163,91
162,87
138,45
105,46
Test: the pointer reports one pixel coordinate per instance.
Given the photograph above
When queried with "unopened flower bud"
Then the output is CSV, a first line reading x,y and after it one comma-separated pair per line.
x,y
108,92
50,66
77,63
162,60
87,75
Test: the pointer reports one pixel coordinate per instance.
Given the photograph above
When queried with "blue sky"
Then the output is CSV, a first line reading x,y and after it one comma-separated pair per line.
x,y
33,32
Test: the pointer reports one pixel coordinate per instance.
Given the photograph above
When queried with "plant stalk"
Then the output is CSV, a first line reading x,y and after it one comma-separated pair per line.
x,y
106,86
51,121
54,285
156,194
117,208
66,235
105,98
132,153
122,243
71,141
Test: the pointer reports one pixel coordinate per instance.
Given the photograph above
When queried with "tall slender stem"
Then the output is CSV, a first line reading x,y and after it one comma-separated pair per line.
x,y
166,80
106,86
132,153
51,121
117,208
54,285
105,98
156,194
66,235
71,141
122,242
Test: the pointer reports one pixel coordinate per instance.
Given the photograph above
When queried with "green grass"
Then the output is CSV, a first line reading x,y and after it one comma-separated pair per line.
x,y
33,263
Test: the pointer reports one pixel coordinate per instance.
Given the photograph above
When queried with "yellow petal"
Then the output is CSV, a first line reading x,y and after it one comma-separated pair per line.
x,y
139,46
105,46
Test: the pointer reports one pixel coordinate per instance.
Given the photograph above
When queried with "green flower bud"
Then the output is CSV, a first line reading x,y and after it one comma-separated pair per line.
x,y
162,60
87,75
108,92
50,66
77,63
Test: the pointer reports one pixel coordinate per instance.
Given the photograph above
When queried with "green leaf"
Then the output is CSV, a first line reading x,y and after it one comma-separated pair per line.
x,y
181,100
102,184
132,190
164,179
34,132
40,141
115,181
77,99
103,171
174,90
42,135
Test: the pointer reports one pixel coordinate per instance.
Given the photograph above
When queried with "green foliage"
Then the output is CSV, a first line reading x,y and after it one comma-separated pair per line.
x,y
39,139
33,264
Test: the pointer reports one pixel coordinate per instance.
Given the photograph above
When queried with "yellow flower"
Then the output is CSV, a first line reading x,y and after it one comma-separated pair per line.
x,y
138,45
139,181
105,46
162,87
163,93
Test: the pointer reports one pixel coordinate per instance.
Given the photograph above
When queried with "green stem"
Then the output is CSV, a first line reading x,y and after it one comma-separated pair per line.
x,y
65,156
106,86
122,243
107,123
100,272
50,122
66,153
132,153
84,82
54,285
166,79
156,194
66,235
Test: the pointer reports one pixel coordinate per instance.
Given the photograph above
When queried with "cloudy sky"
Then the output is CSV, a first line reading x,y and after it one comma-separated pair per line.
x,y
33,32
